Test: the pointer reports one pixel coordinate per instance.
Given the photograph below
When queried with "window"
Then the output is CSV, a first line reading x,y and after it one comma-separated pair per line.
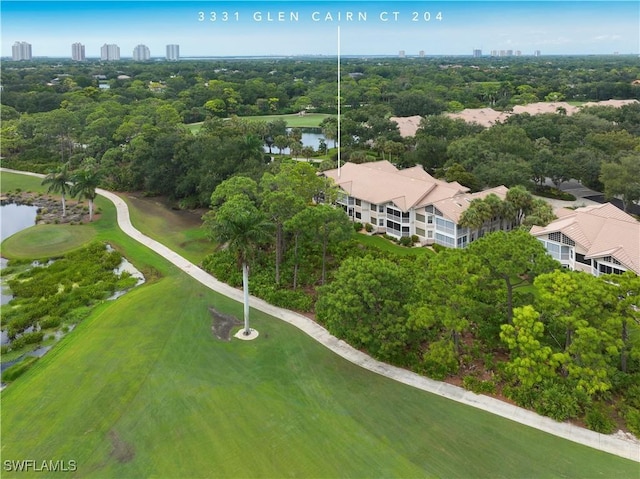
x,y
381,208
419,217
557,236
420,232
358,202
430,234
462,241
358,215
405,217
430,220
567,240
445,225
393,227
381,222
374,208
445,240
429,209
580,259
554,250
611,259
437,212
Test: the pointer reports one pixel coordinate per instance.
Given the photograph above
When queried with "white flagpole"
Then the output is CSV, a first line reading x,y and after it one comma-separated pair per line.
x,y
339,101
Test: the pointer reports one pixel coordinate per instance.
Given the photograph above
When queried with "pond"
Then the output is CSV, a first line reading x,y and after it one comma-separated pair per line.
x,y
13,218
310,137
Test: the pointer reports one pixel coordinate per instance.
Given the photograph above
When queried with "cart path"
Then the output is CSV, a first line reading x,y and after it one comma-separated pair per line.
x,y
614,444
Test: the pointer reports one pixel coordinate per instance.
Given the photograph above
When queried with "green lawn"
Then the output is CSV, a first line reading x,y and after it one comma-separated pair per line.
x,y
310,120
45,241
383,244
143,389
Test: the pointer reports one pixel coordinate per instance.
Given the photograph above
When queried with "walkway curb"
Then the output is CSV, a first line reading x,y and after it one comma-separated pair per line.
x,y
608,443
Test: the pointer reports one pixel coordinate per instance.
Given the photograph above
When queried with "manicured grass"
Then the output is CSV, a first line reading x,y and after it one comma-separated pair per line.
x,y
383,244
46,241
310,120
143,389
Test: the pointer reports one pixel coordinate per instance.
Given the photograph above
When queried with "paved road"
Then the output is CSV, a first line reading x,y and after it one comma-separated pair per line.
x,y
619,446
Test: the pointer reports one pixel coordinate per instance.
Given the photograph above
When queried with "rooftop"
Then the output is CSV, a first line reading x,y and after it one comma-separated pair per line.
x,y
601,230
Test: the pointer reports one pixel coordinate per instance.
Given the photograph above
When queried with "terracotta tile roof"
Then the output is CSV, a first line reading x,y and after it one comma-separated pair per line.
x,y
601,230
380,182
407,125
453,207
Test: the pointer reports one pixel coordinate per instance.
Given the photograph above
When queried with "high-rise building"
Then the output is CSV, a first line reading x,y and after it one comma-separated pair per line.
x,y
77,52
21,51
173,52
401,54
536,53
421,53
477,53
110,52
141,53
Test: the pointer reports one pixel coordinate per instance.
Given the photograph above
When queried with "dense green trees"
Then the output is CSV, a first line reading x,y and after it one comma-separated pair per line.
x,y
134,129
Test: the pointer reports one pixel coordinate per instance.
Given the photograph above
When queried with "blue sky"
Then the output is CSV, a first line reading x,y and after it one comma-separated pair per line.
x,y
310,27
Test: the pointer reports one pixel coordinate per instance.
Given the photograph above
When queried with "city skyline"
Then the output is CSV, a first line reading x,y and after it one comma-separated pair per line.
x,y
286,28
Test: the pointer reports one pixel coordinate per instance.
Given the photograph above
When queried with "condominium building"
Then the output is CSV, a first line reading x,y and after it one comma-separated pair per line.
x,y
173,52
477,53
110,52
21,51
598,239
411,202
141,53
77,52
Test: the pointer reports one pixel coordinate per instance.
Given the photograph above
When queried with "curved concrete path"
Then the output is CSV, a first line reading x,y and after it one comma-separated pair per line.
x,y
629,449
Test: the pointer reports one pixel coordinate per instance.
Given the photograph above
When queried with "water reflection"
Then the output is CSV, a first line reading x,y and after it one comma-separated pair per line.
x,y
14,218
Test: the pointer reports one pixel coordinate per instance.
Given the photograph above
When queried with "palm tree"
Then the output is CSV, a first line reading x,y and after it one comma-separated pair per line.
x,y
58,182
240,226
85,182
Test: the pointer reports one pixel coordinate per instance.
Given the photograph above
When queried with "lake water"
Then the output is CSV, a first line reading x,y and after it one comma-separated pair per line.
x,y
13,218
310,137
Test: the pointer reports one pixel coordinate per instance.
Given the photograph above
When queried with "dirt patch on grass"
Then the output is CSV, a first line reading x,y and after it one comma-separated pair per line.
x,y
222,324
122,451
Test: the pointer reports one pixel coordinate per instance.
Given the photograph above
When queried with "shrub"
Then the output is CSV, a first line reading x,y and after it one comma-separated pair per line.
x,y
33,338
440,360
478,386
17,370
415,238
368,227
50,322
438,247
598,418
406,241
558,401
357,226
632,420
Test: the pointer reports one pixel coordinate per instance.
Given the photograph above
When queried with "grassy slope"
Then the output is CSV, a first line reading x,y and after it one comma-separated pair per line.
x,y
143,389
178,230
